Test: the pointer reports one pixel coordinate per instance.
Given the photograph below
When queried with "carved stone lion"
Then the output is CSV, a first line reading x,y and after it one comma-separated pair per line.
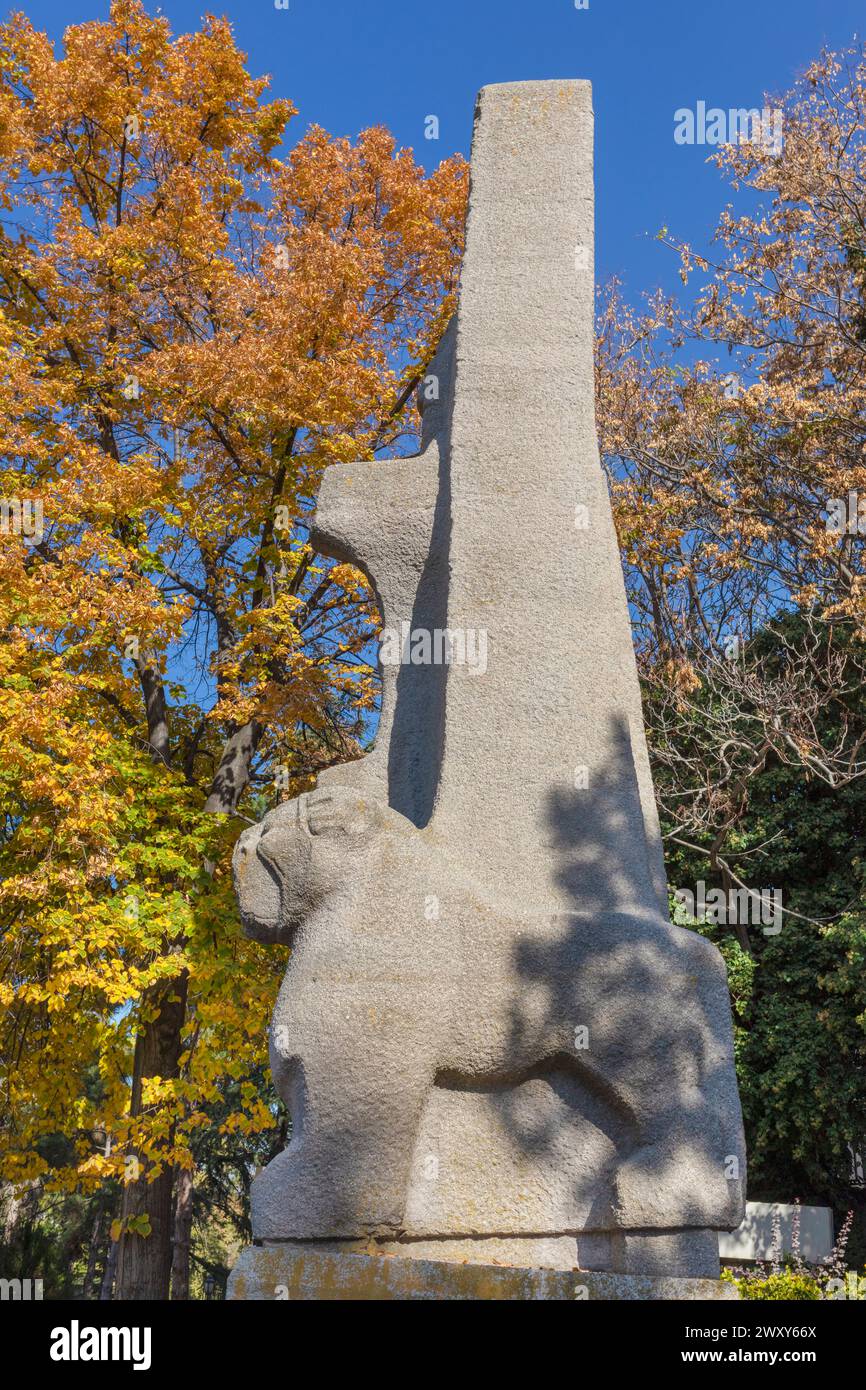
x,y
379,1005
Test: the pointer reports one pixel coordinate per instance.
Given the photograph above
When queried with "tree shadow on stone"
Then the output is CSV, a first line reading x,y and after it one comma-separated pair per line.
x,y
650,1070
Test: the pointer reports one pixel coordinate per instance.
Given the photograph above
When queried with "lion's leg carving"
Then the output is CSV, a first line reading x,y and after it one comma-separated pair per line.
x,y
634,1004
346,1171
686,1166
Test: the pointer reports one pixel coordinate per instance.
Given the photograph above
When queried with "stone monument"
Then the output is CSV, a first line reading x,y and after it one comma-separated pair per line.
x,y
495,1048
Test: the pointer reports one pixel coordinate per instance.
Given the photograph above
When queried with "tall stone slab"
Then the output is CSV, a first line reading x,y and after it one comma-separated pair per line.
x,y
493,1044
534,557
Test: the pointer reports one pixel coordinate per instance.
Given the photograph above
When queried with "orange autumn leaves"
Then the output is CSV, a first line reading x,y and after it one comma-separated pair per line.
x,y
725,455
732,423
194,323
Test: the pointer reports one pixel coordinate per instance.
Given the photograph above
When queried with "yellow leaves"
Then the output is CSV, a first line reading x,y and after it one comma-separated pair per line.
x,y
163,394
138,1225
255,1120
680,675
353,581
98,1165
158,1090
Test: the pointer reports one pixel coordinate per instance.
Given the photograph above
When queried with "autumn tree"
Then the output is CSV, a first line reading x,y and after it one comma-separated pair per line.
x,y
733,424
193,325
732,429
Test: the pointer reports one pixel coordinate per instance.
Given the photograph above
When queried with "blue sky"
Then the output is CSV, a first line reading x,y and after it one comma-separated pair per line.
x,y
347,64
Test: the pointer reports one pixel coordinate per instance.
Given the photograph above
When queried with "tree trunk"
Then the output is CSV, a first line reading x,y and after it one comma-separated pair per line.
x,y
144,1262
182,1236
156,710
106,1293
233,772
11,1203
96,1236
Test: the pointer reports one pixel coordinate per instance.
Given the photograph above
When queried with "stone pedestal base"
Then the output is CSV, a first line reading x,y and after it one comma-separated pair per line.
x,y
309,1273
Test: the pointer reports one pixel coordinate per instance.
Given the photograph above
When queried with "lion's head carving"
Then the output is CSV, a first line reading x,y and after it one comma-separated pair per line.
x,y
299,854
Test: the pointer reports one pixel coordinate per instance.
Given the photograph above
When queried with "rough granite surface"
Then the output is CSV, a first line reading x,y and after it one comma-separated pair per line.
x,y
488,1027
314,1275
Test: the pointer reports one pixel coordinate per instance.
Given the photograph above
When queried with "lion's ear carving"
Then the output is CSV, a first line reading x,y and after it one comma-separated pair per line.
x,y
341,811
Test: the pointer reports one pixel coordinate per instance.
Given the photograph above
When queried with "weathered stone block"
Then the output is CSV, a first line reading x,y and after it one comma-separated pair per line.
x,y
310,1275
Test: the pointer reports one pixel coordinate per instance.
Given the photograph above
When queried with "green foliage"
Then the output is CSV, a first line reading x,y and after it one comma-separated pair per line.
x,y
798,996
789,1284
